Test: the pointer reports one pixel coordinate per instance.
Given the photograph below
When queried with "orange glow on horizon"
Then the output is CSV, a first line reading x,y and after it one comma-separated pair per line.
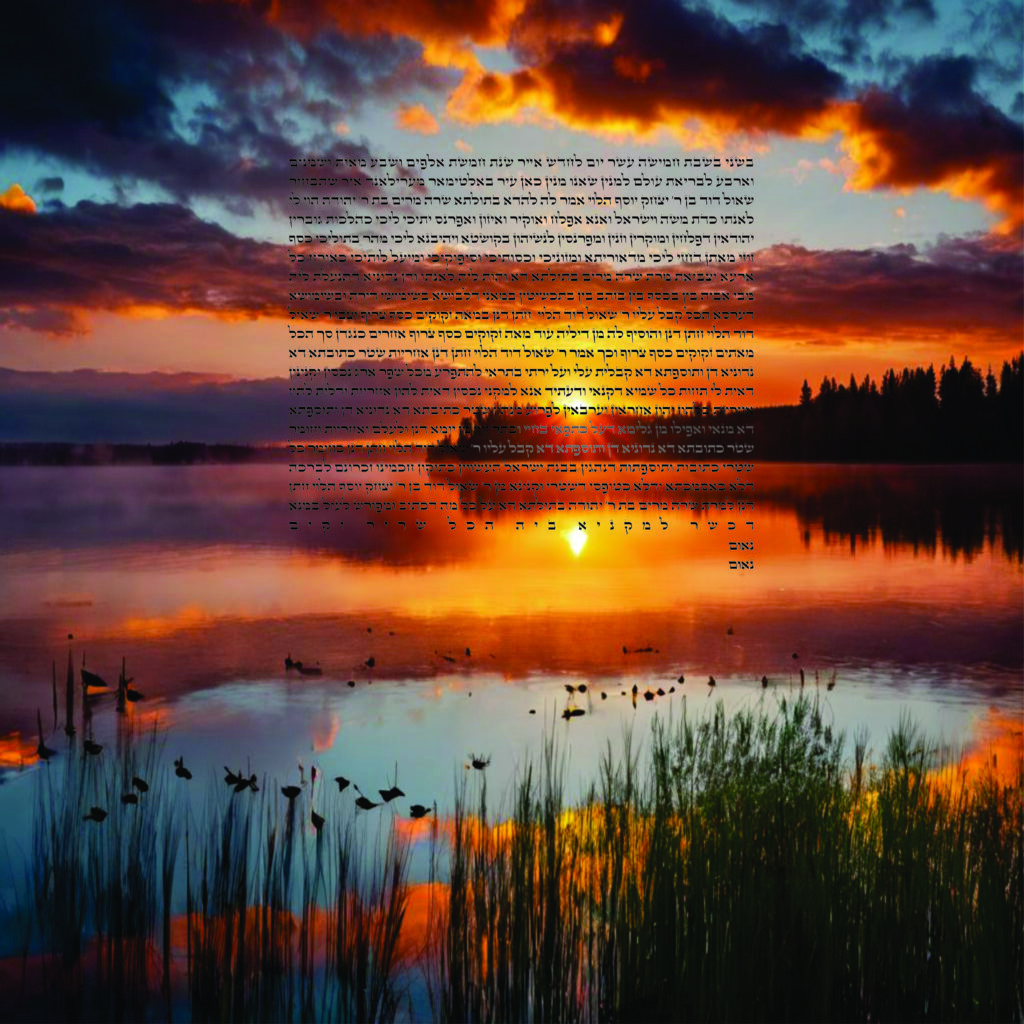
x,y
150,627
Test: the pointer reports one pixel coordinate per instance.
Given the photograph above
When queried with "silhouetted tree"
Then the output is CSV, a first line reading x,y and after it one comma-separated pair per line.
x,y
910,416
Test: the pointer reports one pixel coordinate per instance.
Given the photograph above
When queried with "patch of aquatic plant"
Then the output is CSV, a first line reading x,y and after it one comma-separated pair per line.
x,y
743,867
271,918
745,873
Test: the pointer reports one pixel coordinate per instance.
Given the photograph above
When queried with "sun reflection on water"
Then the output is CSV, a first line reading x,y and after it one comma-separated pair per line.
x,y
576,539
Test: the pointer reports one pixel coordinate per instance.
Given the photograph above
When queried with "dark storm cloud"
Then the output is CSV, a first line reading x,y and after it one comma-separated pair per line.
x,y
110,93
665,57
210,99
58,268
55,266
934,128
963,287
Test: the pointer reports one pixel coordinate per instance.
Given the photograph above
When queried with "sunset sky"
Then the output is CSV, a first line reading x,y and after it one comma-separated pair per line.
x,y
144,163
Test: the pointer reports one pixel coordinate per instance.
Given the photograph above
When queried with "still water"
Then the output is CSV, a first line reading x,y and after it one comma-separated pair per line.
x,y
901,586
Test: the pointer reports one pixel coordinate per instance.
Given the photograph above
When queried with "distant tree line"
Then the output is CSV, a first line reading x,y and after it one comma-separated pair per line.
x,y
912,415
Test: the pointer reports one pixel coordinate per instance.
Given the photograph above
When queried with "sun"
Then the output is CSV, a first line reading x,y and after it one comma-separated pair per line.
x,y
576,538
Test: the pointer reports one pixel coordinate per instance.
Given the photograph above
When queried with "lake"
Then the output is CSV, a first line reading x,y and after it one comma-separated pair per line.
x,y
901,584
877,591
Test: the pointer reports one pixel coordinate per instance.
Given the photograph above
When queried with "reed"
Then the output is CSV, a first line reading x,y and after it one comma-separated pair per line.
x,y
277,924
739,867
744,874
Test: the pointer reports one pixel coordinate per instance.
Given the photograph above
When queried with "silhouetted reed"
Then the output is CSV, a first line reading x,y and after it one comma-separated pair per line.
x,y
277,924
746,874
740,868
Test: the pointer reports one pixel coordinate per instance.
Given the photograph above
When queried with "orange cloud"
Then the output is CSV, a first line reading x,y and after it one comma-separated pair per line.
x,y
604,69
632,97
417,119
647,68
889,145
17,199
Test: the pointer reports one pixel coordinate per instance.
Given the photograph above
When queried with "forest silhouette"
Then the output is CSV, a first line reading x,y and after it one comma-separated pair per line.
x,y
914,415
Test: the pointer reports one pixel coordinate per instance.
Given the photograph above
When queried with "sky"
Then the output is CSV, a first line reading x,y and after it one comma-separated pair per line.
x,y
144,160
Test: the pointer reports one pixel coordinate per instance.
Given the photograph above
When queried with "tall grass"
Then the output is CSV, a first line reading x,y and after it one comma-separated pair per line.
x,y
745,875
92,884
741,868
279,922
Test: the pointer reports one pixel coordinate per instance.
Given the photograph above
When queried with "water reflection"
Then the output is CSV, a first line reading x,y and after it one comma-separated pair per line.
x,y
902,580
962,509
